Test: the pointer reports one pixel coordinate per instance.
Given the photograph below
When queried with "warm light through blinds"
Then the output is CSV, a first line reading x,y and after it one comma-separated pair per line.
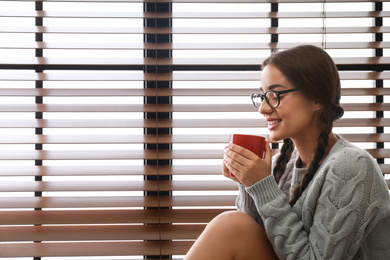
x,y
114,114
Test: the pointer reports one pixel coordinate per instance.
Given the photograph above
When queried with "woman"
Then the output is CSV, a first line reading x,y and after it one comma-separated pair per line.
x,y
321,197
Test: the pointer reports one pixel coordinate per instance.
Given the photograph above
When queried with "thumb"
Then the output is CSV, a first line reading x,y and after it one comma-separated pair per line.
x,y
268,153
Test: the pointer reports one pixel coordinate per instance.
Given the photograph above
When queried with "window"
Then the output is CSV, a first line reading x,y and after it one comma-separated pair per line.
x,y
114,114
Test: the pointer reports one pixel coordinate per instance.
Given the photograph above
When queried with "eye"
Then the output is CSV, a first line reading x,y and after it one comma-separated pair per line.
x,y
272,95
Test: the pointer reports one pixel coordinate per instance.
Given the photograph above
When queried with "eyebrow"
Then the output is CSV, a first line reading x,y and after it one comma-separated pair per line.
x,y
273,86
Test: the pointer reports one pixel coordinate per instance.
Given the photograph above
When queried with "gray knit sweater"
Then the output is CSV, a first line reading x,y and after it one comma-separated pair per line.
x,y
344,213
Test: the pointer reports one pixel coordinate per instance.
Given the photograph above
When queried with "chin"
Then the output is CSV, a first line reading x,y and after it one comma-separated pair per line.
x,y
275,138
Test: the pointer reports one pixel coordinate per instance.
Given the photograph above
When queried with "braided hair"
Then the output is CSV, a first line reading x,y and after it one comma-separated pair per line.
x,y
312,71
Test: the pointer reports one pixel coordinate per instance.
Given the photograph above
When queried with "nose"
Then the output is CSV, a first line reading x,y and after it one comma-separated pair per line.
x,y
265,109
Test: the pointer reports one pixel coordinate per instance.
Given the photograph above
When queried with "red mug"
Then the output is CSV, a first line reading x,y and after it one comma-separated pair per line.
x,y
253,143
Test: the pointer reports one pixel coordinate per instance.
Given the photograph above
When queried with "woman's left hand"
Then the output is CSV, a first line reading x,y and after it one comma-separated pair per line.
x,y
247,167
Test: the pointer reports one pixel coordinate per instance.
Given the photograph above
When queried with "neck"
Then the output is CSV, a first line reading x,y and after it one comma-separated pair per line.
x,y
306,149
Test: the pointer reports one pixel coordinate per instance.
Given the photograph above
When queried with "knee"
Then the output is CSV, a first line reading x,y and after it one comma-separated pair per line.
x,y
234,217
235,221
231,216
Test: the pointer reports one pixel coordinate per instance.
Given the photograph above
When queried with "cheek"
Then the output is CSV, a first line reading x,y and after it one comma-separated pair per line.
x,y
297,114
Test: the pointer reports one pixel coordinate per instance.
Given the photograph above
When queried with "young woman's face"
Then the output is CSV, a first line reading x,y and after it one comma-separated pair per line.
x,y
295,116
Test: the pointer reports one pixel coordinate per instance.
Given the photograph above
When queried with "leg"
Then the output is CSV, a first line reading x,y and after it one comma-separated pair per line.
x,y
232,235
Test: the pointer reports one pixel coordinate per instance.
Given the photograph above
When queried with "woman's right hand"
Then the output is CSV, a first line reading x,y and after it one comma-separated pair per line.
x,y
246,166
225,170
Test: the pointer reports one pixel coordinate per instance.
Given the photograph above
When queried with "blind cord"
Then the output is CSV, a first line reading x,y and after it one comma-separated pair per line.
x,y
323,30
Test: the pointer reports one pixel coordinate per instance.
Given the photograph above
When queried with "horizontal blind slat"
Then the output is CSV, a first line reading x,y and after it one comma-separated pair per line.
x,y
29,186
149,216
78,233
77,139
79,155
214,76
125,154
164,107
149,138
199,15
77,108
79,92
116,201
168,62
81,249
177,123
164,92
102,232
77,123
109,170
203,169
23,186
192,30
185,46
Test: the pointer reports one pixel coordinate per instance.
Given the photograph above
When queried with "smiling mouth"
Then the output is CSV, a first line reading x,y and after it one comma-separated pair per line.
x,y
274,122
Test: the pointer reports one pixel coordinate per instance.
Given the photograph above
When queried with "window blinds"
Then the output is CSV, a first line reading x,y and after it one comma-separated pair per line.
x,y
114,114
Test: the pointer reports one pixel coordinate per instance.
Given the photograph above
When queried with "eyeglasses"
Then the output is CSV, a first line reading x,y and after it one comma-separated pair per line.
x,y
272,97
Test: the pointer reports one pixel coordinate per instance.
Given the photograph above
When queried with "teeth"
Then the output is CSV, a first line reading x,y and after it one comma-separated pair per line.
x,y
273,122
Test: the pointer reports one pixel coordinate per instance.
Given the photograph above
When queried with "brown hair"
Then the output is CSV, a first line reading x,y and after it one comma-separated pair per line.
x,y
312,71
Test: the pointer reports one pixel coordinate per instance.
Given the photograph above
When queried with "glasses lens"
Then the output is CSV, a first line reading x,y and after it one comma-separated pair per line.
x,y
272,98
257,99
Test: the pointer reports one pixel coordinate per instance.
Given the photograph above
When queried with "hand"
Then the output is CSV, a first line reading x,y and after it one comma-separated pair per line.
x,y
225,171
247,167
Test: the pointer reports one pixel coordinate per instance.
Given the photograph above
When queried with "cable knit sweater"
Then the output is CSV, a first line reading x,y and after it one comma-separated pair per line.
x,y
344,213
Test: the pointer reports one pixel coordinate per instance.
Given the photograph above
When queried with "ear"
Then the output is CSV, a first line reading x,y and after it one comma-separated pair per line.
x,y
317,106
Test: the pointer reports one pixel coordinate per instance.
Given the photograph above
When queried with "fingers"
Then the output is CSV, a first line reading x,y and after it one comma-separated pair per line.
x,y
246,167
235,162
233,158
245,153
227,170
227,162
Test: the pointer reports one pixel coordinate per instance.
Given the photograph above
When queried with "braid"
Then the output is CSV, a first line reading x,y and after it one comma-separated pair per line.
x,y
284,157
322,143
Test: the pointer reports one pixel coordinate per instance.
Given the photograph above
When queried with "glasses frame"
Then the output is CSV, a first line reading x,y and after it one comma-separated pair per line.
x,y
264,96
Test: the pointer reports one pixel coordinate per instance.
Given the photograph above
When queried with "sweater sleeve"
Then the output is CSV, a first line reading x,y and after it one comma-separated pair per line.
x,y
333,216
246,204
